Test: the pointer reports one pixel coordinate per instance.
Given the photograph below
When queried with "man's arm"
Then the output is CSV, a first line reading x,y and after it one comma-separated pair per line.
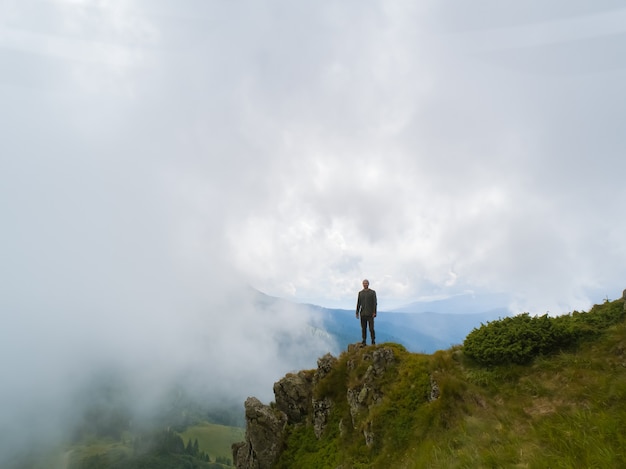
x,y
375,304
358,305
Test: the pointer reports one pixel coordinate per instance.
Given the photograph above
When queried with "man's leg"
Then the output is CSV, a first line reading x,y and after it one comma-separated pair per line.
x,y
372,332
363,329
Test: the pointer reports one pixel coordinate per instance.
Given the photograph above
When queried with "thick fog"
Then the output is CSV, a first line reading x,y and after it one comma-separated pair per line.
x,y
159,161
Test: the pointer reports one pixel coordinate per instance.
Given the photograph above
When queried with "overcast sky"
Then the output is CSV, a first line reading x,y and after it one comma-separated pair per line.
x,y
434,149
155,156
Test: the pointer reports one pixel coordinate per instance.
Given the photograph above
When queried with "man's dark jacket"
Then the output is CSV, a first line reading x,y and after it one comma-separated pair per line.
x,y
366,304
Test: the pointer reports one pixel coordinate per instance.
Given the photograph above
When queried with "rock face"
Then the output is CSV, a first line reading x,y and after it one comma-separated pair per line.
x,y
366,393
322,407
321,412
297,403
293,396
264,436
324,366
434,390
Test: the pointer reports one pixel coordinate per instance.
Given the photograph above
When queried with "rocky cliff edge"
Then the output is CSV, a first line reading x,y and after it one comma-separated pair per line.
x,y
306,398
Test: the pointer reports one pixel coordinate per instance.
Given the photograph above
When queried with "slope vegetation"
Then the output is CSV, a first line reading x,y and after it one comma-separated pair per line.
x,y
510,403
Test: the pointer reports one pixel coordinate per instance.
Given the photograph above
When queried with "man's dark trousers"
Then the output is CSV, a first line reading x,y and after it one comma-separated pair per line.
x,y
365,322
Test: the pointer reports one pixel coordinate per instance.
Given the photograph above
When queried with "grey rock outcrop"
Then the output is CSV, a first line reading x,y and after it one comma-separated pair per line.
x,y
321,412
368,434
299,401
264,436
367,392
322,407
293,396
434,390
324,366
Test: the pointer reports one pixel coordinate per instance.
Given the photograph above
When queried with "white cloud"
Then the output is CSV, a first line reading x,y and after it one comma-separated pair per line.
x,y
155,156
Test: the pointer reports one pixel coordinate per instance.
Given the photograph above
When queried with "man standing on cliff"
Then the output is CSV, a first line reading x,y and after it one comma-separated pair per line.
x,y
366,307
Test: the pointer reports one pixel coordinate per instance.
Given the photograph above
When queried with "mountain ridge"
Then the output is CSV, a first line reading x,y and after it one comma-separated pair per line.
x,y
425,326
382,406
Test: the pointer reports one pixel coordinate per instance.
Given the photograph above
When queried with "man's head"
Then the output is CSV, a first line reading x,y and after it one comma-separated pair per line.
x,y
366,284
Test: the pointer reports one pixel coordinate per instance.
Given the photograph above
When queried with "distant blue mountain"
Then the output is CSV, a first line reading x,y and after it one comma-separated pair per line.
x,y
467,303
422,327
346,329
418,332
446,321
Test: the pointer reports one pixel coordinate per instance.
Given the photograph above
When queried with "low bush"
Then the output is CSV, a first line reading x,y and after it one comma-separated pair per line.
x,y
519,339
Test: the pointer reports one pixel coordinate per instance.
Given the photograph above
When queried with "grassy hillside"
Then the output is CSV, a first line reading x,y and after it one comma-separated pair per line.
x,y
160,448
213,439
154,449
564,408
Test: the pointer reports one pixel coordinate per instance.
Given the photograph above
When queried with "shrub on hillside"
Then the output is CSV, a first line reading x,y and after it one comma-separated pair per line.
x,y
516,339
521,338
588,325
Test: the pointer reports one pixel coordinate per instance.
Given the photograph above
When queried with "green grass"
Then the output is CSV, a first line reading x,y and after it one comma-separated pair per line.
x,y
215,440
